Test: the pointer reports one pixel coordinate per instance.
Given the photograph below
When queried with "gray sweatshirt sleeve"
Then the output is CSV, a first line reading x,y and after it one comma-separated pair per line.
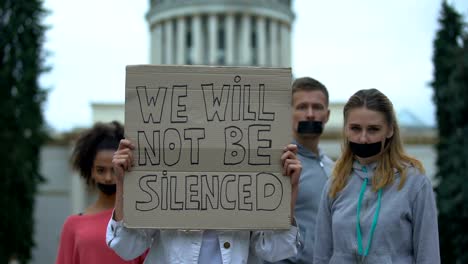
x,y
323,246
425,228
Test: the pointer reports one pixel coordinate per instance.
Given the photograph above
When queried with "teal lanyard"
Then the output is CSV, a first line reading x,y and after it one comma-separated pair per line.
x,y
374,221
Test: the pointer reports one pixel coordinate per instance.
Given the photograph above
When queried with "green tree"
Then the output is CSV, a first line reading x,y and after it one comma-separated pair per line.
x,y
22,131
452,191
451,96
446,46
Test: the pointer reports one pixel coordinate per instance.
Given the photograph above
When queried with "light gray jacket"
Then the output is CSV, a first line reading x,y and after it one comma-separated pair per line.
x,y
406,230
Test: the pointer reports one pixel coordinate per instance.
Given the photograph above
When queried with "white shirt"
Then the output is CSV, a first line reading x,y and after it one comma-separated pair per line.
x,y
178,246
210,253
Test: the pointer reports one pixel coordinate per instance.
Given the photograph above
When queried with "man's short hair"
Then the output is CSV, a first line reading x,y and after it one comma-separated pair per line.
x,y
309,84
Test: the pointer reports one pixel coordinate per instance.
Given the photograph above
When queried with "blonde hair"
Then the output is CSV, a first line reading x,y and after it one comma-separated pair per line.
x,y
393,156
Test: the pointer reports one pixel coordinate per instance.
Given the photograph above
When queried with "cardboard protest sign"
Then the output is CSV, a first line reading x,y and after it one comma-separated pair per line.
x,y
208,145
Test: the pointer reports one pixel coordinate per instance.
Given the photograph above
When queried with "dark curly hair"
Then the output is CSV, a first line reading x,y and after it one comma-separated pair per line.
x,y
102,136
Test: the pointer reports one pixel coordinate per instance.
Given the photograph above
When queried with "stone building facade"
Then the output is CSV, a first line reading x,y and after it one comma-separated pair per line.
x,y
221,32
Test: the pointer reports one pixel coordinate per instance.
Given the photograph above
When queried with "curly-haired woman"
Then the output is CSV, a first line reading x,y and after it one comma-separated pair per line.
x,y
83,238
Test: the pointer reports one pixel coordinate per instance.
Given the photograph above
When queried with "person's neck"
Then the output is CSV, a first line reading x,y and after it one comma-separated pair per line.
x,y
367,161
105,201
309,143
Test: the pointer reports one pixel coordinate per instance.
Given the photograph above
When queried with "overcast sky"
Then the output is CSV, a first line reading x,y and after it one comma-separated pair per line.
x,y
347,45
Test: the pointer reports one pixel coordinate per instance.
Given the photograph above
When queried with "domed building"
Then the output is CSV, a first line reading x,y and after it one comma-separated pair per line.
x,y
221,32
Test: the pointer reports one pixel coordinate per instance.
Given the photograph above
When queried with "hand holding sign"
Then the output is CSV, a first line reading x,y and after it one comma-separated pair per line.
x,y
122,161
123,158
291,167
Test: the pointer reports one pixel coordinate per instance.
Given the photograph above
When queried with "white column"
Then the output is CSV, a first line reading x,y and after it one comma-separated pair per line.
x,y
229,39
285,46
246,47
152,47
274,52
197,48
261,41
213,39
181,41
78,194
169,42
156,45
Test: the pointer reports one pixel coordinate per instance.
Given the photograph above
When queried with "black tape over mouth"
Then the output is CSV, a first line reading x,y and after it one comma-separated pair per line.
x,y
108,189
310,127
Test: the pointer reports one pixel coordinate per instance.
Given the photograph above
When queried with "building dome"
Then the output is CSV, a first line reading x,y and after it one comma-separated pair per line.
x,y
221,32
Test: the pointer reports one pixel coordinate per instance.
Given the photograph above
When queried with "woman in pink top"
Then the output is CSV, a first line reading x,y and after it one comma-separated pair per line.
x,y
83,238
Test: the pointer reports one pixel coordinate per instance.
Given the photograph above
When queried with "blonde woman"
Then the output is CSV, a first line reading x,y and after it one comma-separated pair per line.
x,y
378,206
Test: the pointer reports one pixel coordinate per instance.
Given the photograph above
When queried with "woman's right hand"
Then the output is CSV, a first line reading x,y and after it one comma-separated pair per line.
x,y
123,159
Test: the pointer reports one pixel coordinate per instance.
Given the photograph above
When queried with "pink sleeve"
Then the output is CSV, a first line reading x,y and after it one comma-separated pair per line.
x,y
141,258
67,244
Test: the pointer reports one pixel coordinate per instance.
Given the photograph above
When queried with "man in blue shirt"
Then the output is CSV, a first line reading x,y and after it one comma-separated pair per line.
x,y
310,113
